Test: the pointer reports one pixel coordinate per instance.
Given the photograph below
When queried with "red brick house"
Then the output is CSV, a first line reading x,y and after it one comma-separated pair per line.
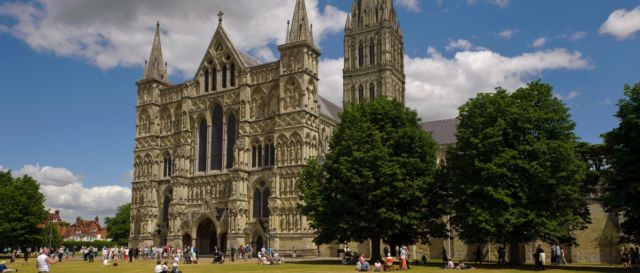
x,y
81,230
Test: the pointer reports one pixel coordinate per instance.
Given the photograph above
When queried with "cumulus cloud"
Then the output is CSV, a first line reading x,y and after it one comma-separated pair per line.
x,y
65,191
622,23
110,35
459,44
539,42
506,34
411,5
577,36
569,96
330,74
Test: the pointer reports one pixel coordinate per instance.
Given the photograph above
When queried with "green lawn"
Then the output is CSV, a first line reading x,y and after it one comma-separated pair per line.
x,y
78,266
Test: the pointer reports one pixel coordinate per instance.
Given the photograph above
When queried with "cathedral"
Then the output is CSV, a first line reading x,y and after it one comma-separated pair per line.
x,y
217,157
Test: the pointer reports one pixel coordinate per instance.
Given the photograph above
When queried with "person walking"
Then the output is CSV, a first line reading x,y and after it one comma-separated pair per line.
x,y
43,262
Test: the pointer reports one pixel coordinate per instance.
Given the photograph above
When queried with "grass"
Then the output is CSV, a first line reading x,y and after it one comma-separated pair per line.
x,y
79,266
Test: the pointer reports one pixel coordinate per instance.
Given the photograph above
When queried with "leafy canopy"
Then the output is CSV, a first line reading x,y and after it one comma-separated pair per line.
x,y
515,174
377,182
622,180
119,225
22,210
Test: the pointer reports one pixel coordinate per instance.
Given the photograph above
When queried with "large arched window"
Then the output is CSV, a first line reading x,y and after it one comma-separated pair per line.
x,y
214,75
231,138
169,166
216,139
361,93
261,201
206,80
202,146
232,74
361,55
372,91
372,54
224,76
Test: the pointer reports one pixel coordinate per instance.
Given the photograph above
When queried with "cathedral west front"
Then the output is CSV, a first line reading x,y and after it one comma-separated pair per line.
x,y
217,158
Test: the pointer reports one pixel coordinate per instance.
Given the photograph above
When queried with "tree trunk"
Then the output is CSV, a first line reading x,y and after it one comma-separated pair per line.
x,y
514,253
375,249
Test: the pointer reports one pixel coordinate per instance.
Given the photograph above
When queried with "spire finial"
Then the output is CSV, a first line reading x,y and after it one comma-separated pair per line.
x,y
157,24
220,14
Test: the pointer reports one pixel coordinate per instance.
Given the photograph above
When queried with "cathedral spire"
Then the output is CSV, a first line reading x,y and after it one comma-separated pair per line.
x,y
156,67
300,30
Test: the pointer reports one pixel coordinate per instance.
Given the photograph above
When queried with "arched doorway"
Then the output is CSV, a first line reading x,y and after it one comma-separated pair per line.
x,y
186,240
163,228
259,244
206,237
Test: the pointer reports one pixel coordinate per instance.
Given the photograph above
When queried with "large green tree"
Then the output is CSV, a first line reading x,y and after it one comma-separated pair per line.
x,y
119,226
515,173
377,182
622,181
22,210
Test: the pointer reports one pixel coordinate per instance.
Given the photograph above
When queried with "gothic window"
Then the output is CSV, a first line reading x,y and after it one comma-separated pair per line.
x,y
232,72
261,201
372,54
360,93
231,138
353,94
224,76
266,155
169,166
206,80
202,146
372,91
361,55
254,154
272,152
214,75
216,139
259,155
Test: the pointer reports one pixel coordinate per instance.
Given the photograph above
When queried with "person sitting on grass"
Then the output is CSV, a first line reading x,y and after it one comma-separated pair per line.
x,y
388,263
158,268
3,268
377,266
450,265
165,268
462,266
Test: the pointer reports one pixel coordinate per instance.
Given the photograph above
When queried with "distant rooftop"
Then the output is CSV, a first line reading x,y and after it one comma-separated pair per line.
x,y
248,60
443,131
329,109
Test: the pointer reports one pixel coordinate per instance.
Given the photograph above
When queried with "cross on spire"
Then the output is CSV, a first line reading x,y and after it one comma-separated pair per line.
x,y
220,14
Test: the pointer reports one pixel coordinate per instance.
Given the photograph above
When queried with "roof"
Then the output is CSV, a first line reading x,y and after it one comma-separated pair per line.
x,y
443,131
329,109
248,60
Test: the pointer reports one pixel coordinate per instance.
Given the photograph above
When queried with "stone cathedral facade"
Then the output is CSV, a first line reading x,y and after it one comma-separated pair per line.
x,y
217,158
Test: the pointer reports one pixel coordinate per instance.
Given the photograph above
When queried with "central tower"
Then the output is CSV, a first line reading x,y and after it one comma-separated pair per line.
x,y
373,53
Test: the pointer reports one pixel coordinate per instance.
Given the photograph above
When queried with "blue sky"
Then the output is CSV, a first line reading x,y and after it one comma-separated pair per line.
x,y
68,69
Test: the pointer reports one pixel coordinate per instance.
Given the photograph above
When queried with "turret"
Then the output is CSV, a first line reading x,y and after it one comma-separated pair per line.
x,y
155,67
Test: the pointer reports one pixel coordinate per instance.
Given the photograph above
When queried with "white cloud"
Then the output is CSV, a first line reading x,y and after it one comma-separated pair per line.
x,y
436,86
330,74
577,36
411,5
459,44
3,169
622,23
65,191
539,42
506,34
47,175
571,95
110,35
500,3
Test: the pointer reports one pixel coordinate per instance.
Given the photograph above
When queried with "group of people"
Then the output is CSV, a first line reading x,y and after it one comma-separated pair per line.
x,y
630,257
460,266
267,256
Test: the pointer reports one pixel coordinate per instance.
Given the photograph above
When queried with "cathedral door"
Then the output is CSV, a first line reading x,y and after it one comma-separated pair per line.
x,y
186,240
259,244
206,237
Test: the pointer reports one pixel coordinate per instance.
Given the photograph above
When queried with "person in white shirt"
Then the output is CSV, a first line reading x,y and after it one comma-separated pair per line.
x,y
44,262
176,261
158,268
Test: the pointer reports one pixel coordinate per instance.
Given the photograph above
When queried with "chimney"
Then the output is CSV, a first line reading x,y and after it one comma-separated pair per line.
x,y
97,219
58,212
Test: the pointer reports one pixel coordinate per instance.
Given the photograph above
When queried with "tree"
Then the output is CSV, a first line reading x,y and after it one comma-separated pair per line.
x,y
377,182
22,210
621,188
515,172
119,226
51,236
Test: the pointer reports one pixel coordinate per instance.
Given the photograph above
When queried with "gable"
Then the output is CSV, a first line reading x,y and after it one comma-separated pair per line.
x,y
222,51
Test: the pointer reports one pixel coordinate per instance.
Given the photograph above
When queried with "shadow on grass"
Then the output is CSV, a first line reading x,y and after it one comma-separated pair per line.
x,y
568,268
